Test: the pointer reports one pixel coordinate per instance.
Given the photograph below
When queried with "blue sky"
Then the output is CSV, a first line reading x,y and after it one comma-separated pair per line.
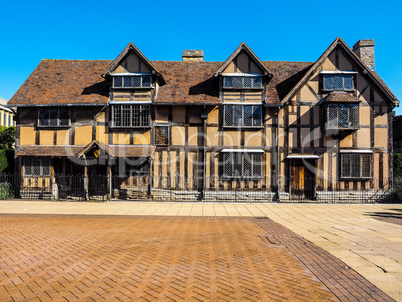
x,y
275,30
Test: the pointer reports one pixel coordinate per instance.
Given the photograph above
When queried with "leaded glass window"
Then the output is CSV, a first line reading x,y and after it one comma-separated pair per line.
x,y
344,116
54,117
240,82
36,166
131,115
140,81
242,115
338,82
355,165
242,164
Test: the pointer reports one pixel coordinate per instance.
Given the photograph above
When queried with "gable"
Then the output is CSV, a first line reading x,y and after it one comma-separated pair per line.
x,y
132,63
243,63
339,58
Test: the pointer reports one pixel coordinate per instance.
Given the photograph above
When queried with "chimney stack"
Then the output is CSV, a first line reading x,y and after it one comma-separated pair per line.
x,y
365,50
193,55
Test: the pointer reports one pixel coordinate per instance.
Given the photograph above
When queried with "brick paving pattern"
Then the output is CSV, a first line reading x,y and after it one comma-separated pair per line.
x,y
167,259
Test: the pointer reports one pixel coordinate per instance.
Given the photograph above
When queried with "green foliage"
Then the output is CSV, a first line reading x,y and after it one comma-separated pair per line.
x,y
397,165
7,137
5,191
3,160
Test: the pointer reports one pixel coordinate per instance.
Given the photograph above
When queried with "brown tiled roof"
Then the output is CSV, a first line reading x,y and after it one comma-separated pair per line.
x,y
340,97
188,82
34,150
285,76
58,82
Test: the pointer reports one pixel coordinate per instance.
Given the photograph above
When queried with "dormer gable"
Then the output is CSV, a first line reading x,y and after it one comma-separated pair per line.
x,y
132,63
243,60
337,70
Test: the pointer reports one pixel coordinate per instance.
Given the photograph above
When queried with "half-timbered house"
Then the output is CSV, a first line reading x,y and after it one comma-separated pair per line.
x,y
195,130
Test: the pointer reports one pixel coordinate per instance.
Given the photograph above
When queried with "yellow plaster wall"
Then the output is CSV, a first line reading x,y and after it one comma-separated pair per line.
x,y
27,136
193,135
213,116
346,142
46,137
212,136
142,138
363,137
83,135
364,115
381,137
231,138
62,137
381,119
253,139
178,136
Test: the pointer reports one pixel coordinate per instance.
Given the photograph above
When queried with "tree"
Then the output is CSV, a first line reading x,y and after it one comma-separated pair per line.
x,y
7,137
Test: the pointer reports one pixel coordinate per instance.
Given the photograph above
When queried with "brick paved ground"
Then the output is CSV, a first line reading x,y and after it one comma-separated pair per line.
x,y
159,258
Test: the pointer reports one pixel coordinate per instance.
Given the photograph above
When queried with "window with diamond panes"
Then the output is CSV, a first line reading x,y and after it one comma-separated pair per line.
x,y
242,116
344,116
131,115
37,166
355,165
338,82
239,82
132,81
242,165
54,117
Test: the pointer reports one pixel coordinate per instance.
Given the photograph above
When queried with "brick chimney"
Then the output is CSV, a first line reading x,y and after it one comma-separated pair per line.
x,y
365,50
193,55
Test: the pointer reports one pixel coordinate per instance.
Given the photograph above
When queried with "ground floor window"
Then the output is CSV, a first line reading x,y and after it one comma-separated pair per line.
x,y
131,166
355,165
36,166
241,164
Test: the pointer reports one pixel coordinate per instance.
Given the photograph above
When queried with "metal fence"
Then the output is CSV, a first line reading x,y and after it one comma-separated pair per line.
x,y
180,189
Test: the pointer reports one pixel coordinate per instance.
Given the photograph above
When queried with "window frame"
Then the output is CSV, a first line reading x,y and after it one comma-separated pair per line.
x,y
242,119
58,119
228,160
364,159
141,76
243,77
354,126
142,118
324,75
167,132
44,163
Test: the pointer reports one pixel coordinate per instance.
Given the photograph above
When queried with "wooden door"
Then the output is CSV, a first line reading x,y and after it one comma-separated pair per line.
x,y
297,181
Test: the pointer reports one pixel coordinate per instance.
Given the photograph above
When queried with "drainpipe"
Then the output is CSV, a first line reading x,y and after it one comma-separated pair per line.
x,y
278,169
204,117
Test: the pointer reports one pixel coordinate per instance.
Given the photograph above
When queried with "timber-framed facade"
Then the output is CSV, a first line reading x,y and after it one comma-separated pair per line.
x,y
133,127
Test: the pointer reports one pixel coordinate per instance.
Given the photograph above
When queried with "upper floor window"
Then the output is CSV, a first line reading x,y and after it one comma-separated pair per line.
x,y
54,117
343,116
242,82
242,116
355,165
338,81
242,164
137,81
131,115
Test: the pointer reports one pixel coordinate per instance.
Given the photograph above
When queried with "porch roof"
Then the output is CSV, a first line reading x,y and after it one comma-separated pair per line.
x,y
44,150
119,150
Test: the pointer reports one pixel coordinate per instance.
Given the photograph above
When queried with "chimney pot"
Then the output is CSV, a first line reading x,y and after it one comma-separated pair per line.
x,y
365,50
193,55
